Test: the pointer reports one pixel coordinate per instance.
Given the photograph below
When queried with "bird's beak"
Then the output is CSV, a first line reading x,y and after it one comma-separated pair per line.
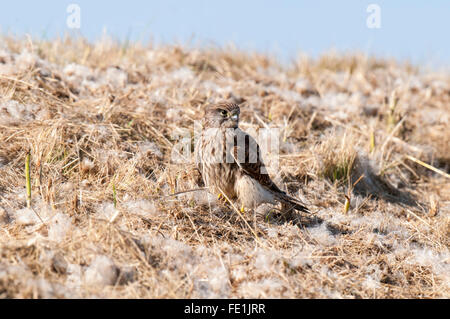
x,y
235,117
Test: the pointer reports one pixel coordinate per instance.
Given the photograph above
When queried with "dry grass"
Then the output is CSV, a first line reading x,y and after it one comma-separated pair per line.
x,y
100,121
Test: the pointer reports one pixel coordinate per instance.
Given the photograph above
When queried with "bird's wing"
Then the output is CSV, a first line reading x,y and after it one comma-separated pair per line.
x,y
247,155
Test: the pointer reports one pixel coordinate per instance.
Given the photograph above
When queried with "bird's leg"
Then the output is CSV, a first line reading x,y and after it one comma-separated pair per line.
x,y
222,198
242,209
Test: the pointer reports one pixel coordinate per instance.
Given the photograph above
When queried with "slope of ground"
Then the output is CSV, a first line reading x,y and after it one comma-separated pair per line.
x,y
101,122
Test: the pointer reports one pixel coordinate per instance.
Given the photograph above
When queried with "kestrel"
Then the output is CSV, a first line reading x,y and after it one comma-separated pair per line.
x,y
230,163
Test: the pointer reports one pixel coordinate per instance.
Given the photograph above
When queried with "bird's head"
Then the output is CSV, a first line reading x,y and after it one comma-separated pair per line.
x,y
224,115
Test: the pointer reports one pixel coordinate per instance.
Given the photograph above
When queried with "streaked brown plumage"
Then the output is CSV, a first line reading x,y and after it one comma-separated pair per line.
x,y
230,163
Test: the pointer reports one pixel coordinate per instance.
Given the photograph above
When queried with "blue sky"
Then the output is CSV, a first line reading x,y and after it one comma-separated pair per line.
x,y
413,30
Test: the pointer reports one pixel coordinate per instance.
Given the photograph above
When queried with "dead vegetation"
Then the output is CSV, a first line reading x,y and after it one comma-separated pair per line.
x,y
100,122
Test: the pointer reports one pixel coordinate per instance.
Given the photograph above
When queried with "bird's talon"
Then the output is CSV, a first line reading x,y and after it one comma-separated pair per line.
x,y
221,198
242,209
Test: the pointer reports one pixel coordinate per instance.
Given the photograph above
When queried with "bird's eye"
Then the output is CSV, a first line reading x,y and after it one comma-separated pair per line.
x,y
224,113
